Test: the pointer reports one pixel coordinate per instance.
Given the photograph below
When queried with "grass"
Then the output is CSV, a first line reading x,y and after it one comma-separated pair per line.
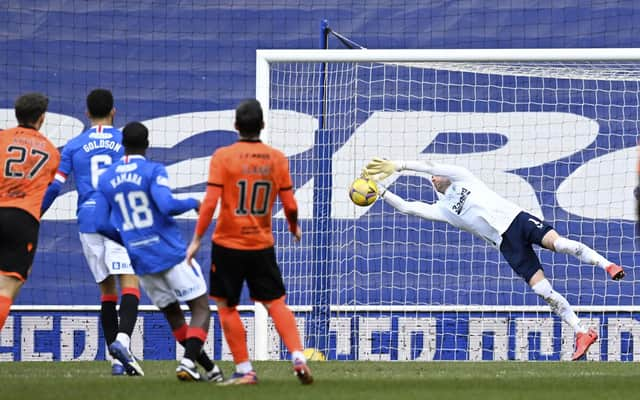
x,y
334,380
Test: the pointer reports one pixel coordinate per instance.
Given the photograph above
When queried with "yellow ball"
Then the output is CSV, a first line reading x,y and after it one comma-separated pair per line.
x,y
363,192
312,354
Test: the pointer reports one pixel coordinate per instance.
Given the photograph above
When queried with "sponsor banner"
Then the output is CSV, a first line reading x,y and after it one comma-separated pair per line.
x,y
371,336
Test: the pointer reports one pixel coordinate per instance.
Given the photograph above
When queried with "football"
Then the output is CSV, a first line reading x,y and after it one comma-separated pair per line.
x,y
312,354
363,192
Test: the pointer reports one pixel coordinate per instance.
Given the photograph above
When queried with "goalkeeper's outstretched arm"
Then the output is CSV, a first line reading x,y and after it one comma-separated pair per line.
x,y
453,172
380,168
417,208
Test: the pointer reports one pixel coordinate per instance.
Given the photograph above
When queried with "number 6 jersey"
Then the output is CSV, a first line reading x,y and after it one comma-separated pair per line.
x,y
29,162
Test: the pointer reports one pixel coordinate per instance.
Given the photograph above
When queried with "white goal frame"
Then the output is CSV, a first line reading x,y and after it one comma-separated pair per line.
x,y
265,57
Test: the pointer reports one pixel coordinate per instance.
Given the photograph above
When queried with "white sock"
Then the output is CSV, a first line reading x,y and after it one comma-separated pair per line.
x,y
124,339
244,367
581,251
298,355
187,362
559,305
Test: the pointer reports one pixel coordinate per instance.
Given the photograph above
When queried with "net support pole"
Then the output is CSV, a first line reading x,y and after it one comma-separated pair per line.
x,y
318,326
260,315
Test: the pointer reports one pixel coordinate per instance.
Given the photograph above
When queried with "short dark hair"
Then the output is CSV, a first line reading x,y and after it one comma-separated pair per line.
x,y
99,103
29,107
249,117
135,137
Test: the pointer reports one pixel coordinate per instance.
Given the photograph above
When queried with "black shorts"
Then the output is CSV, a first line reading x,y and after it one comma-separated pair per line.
x,y
18,241
516,248
231,267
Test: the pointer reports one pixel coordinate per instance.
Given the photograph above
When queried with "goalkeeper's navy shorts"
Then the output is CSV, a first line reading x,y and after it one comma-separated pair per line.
x,y
517,241
18,242
231,267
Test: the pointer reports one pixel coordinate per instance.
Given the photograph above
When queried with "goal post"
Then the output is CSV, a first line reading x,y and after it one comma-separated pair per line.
x,y
554,130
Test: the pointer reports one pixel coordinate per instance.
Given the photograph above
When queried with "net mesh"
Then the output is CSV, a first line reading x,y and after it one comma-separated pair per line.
x,y
559,139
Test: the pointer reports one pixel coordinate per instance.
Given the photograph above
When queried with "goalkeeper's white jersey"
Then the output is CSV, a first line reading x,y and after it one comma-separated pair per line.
x,y
467,204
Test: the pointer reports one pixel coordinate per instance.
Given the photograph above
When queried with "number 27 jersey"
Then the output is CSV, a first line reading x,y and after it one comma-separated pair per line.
x,y
28,161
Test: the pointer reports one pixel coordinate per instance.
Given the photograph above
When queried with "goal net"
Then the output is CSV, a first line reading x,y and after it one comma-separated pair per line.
x,y
554,131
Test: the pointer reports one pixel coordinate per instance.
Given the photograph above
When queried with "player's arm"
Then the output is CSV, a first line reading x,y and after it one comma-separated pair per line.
x,y
207,208
163,198
417,208
54,188
288,200
102,216
291,211
380,168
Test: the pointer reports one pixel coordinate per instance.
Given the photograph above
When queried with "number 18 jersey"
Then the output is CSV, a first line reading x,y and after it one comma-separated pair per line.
x,y
141,208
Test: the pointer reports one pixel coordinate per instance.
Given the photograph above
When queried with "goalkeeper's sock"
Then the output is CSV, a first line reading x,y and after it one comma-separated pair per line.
x,y
559,305
109,317
5,306
581,251
234,333
285,324
129,309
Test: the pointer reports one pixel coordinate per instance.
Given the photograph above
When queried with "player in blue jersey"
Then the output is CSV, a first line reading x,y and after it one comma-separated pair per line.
x,y
134,196
86,156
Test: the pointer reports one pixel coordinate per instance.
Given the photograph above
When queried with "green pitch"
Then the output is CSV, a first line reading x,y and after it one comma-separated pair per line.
x,y
334,380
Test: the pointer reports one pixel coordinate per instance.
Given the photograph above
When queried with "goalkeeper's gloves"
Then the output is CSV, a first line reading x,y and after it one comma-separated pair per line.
x,y
381,188
380,168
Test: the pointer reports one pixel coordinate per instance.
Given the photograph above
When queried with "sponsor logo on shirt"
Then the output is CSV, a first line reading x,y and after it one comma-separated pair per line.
x,y
464,194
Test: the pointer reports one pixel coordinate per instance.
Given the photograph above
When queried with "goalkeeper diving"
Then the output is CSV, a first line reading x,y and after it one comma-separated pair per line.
x,y
465,202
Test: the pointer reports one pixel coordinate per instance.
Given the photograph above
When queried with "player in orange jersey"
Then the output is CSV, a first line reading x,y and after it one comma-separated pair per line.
x,y
29,162
246,176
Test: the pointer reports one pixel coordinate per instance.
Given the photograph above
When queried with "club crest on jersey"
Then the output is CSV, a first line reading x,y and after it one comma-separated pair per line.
x,y
126,168
100,135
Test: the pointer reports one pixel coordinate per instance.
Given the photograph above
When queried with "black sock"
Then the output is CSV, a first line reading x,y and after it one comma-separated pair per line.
x,y
128,313
109,320
203,358
193,348
205,361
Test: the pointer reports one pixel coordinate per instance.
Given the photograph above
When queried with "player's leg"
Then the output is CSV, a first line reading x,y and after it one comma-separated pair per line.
x,y
236,337
94,253
553,241
185,283
266,285
9,288
561,307
179,327
18,243
226,277
117,264
516,248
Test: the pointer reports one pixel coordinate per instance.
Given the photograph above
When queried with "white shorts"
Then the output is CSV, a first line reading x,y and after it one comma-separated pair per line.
x,y
105,257
182,282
